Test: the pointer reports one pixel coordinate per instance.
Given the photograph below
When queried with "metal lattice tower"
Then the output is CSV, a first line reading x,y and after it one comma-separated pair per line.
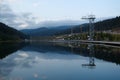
x,y
91,19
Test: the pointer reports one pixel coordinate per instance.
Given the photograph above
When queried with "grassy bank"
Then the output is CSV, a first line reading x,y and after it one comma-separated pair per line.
x,y
98,37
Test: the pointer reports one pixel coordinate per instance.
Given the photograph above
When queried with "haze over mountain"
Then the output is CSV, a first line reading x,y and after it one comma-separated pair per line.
x,y
58,23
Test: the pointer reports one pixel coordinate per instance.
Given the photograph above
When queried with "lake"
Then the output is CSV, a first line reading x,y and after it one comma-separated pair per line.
x,y
59,61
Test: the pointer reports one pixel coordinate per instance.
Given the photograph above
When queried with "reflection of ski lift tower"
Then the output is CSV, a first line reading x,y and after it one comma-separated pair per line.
x,y
91,19
91,63
71,46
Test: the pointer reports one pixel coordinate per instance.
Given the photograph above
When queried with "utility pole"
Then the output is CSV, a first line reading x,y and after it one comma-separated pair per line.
x,y
71,31
81,29
91,19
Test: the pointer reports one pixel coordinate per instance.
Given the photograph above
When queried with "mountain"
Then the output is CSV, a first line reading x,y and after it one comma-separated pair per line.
x,y
44,31
109,24
8,33
112,25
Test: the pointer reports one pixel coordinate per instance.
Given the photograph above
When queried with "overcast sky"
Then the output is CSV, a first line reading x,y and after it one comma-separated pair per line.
x,y
31,13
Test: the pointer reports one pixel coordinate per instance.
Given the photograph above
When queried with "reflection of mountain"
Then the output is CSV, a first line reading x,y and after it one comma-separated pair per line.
x,y
101,52
7,64
108,53
45,47
9,48
36,53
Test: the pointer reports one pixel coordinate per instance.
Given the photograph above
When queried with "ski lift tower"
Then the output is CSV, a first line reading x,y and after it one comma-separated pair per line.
x,y
91,19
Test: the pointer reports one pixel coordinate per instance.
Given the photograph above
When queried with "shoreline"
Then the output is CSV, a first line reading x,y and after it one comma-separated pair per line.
x,y
94,42
82,41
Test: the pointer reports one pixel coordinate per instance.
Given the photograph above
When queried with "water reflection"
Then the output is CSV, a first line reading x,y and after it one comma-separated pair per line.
x,y
103,52
107,53
7,65
9,48
91,63
59,61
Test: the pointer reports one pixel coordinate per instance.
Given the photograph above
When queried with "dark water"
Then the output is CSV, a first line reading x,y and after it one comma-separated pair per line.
x,y
59,61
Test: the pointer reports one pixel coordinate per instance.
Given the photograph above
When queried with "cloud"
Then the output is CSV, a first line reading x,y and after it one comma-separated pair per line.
x,y
35,4
6,14
12,1
27,20
25,25
21,21
23,54
1,1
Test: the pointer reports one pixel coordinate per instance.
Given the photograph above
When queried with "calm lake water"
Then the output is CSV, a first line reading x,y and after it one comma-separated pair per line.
x,y
59,61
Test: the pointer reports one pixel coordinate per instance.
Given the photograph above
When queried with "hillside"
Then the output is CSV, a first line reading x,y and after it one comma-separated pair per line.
x,y
44,31
7,33
112,25
106,30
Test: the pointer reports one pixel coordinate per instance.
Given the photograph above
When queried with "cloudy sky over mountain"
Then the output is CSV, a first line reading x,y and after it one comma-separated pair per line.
x,y
22,14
